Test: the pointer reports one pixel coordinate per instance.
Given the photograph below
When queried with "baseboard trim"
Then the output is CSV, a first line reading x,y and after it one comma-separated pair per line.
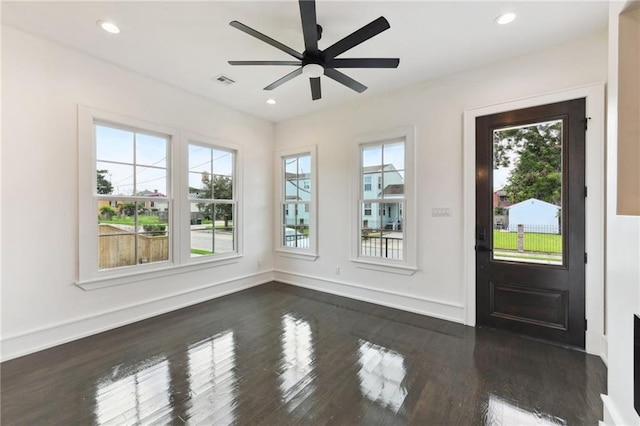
x,y
611,415
415,304
39,339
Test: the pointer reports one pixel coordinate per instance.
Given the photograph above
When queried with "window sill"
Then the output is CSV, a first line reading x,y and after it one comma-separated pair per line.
x,y
164,271
297,255
385,267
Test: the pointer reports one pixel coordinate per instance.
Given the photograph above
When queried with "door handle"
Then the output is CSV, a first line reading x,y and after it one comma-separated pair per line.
x,y
483,248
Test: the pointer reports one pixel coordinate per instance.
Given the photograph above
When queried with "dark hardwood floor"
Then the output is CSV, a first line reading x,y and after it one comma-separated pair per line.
x,y
278,355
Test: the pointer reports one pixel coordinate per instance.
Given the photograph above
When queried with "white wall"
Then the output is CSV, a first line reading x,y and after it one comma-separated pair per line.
x,y
43,83
436,109
623,264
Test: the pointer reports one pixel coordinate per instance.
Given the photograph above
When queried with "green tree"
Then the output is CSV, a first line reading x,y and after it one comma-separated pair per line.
x,y
104,186
218,188
536,155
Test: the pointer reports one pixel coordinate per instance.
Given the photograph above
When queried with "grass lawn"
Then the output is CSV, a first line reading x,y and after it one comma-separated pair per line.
x,y
129,220
527,256
544,243
201,252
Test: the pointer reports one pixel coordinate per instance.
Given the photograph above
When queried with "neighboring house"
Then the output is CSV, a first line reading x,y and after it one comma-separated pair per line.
x,y
500,198
500,204
148,205
535,215
297,188
391,215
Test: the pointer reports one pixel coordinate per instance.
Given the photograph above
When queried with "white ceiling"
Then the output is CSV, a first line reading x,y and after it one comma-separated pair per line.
x,y
186,44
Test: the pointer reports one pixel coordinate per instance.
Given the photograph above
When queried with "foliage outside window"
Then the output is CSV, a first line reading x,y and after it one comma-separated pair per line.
x,y
211,200
296,199
382,200
132,196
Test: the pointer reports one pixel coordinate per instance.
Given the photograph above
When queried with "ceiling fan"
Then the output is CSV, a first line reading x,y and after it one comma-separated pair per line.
x,y
314,62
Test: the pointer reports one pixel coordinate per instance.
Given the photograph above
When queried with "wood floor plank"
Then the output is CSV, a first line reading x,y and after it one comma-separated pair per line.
x,y
278,354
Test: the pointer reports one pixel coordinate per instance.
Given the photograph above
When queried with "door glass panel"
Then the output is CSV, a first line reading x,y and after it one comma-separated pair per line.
x,y
527,193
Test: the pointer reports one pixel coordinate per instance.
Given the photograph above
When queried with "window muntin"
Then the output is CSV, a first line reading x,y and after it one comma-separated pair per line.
x,y
296,211
212,201
382,201
131,196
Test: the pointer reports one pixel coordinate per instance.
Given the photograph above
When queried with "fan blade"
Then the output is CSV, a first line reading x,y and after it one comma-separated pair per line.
x,y
298,63
309,25
363,34
364,63
284,79
344,79
316,93
266,39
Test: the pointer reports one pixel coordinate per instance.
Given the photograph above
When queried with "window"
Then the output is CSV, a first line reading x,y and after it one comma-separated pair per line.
x,y
150,202
367,183
131,167
297,198
384,235
211,200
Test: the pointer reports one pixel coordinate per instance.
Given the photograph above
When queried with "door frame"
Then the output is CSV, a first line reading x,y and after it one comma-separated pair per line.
x,y
594,95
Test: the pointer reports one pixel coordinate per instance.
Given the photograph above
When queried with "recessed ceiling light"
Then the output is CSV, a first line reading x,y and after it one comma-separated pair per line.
x,y
109,27
505,18
271,101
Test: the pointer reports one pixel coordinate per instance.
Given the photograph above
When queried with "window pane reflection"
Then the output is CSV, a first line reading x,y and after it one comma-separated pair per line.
x,y
297,379
138,397
381,375
502,412
212,380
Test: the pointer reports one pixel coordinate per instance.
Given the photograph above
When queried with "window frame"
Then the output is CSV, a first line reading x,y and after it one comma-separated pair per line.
x,y
193,139
89,276
294,252
408,265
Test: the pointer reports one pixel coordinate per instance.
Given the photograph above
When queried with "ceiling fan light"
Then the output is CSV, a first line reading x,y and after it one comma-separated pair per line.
x,y
313,70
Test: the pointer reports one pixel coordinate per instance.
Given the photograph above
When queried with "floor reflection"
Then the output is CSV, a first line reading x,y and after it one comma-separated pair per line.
x,y
277,355
212,380
296,379
140,396
381,375
502,412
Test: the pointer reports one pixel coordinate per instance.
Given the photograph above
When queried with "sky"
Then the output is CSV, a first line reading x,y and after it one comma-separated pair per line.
x,y
116,150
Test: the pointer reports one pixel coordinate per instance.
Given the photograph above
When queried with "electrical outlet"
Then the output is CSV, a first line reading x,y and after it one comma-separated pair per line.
x,y
337,270
259,263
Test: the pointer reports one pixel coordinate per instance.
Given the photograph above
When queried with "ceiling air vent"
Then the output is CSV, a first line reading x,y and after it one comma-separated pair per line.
x,y
223,79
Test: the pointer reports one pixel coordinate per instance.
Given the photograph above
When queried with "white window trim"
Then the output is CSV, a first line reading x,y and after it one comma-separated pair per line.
x,y
407,266
297,253
89,277
185,205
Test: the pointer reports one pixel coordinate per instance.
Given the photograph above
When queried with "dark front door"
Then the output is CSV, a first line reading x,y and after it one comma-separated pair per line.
x,y
530,221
